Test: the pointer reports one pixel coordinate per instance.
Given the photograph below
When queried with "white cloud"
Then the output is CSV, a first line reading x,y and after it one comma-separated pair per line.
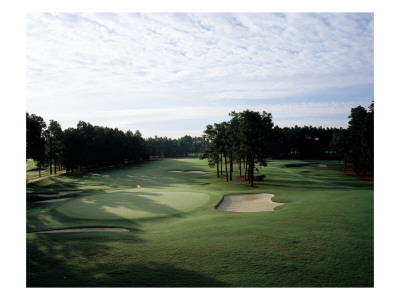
x,y
168,49
117,62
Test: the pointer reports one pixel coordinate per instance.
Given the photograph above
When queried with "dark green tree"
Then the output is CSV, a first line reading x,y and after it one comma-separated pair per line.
x,y
367,142
339,143
356,130
54,144
256,138
35,141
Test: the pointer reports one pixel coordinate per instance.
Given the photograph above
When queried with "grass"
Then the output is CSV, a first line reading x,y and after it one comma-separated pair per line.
x,y
32,171
321,237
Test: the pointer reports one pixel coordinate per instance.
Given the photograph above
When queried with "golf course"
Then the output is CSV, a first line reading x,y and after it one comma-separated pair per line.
x,y
159,223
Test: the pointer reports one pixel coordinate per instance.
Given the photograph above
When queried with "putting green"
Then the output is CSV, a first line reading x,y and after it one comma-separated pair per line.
x,y
133,204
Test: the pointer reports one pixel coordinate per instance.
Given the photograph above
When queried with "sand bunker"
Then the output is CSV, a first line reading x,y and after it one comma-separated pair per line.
x,y
193,172
90,229
248,203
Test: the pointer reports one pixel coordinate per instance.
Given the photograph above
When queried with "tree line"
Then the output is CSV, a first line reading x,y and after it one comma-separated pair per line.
x,y
86,146
186,146
246,140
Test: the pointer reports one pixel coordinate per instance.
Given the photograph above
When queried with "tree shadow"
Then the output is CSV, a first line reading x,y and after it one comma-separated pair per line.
x,y
151,174
51,263
122,205
40,218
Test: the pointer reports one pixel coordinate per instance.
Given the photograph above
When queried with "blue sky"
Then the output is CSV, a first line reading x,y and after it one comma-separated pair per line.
x,y
171,74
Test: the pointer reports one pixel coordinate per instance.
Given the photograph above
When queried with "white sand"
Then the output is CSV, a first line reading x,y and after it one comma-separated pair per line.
x,y
248,203
100,229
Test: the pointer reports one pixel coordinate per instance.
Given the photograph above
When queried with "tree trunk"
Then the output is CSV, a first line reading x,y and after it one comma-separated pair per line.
x,y
230,166
218,168
240,166
54,156
226,168
51,156
245,167
251,170
222,172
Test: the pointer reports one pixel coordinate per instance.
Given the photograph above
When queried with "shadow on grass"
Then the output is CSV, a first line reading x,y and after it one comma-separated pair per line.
x,y
78,260
41,217
119,205
150,174
129,275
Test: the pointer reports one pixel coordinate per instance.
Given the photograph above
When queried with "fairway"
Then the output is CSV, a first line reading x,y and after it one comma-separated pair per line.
x,y
133,204
174,235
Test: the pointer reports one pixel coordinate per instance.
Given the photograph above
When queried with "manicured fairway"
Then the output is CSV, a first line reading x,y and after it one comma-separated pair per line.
x,y
133,204
321,236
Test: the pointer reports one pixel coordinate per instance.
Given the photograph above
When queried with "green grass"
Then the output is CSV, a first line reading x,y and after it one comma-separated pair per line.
x,y
32,171
322,236
133,204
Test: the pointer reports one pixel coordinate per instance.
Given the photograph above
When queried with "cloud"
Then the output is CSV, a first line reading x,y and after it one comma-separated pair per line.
x,y
129,61
200,50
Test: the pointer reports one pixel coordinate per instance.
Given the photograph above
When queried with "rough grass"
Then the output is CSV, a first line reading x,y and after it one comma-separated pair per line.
x,y
322,236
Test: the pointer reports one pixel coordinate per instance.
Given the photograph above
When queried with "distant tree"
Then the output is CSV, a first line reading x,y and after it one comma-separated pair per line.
x,y
215,148
185,145
54,144
35,141
85,134
367,150
339,143
356,130
71,150
256,138
225,142
361,138
133,145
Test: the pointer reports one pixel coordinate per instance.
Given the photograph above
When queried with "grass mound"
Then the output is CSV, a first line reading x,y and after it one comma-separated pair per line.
x,y
88,229
133,204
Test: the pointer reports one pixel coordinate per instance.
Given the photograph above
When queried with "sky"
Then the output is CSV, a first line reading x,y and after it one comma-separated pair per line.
x,y
172,74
